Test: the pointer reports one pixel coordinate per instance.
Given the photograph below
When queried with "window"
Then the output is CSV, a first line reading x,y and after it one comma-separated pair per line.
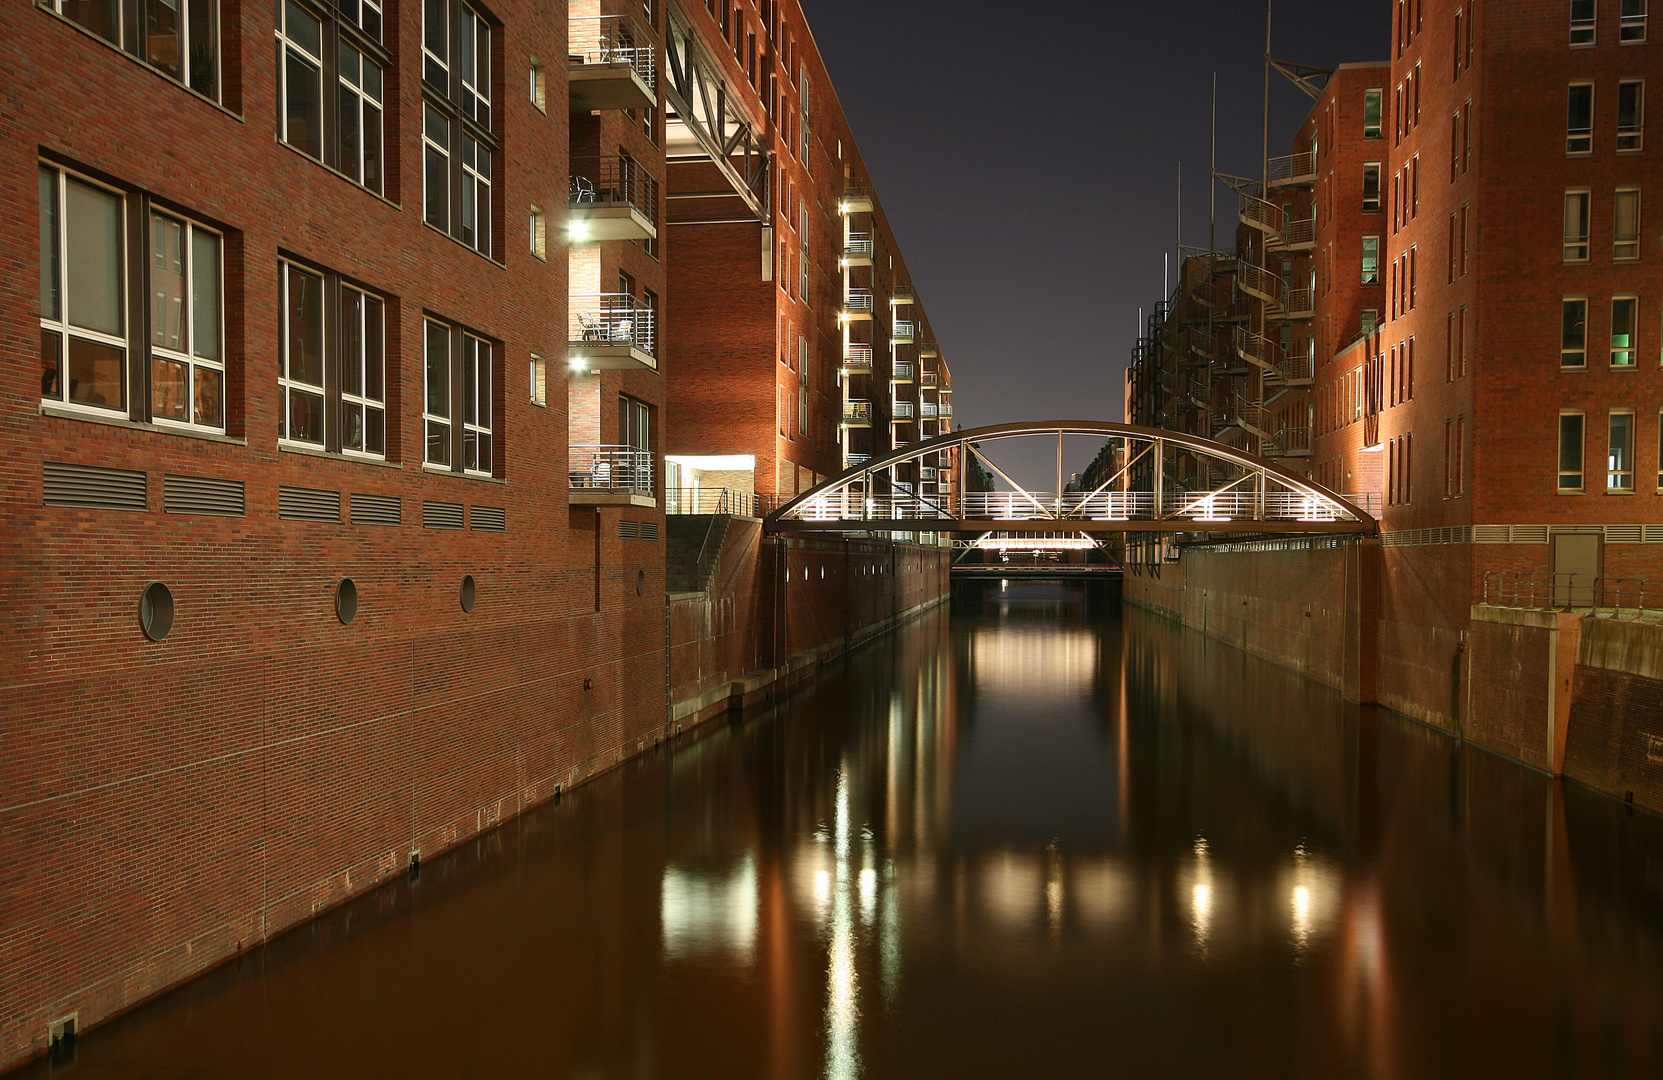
x,y
634,424
332,378
1414,259
1465,247
1576,226
539,86
1453,249
1373,100
1371,260
1624,312
1619,463
1461,342
457,400
1582,22
179,38
1573,332
1626,237
1454,145
1570,451
1466,136
1633,25
458,145
537,227
1631,100
343,51
86,287
1579,118
1370,321
539,380
1371,186
1454,435
1660,452
1414,186
1457,68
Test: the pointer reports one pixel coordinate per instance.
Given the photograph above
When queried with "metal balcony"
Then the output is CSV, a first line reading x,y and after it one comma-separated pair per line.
x,y
613,64
1299,304
928,410
611,475
927,350
1259,282
901,411
903,371
901,332
856,200
857,304
945,409
857,249
611,331
611,198
900,294
927,379
857,413
857,357
1293,170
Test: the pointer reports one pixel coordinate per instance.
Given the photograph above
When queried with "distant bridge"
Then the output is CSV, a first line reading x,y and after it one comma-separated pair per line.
x,y
1162,482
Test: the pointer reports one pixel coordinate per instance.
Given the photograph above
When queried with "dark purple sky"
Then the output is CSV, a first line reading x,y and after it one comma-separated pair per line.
x,y
1027,156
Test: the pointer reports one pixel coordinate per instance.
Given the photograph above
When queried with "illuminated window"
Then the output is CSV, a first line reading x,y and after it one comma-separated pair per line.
x,y
1626,236
1619,462
1373,101
1576,226
1624,314
1573,332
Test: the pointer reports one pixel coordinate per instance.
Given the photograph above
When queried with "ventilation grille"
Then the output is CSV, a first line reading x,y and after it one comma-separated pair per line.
x,y
649,530
308,504
1509,534
490,518
376,509
1623,534
629,530
1454,534
1654,534
202,495
89,485
441,515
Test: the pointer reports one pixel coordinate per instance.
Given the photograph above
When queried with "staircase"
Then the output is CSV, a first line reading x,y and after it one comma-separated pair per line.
x,y
694,544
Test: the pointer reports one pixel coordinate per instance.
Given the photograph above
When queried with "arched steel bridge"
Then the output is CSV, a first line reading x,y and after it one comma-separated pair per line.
x,y
1160,482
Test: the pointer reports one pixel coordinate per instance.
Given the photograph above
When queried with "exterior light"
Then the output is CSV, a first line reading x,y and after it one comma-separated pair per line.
x,y
577,363
578,230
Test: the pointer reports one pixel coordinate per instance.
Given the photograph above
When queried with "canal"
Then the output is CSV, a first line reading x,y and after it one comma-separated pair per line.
x,y
1036,836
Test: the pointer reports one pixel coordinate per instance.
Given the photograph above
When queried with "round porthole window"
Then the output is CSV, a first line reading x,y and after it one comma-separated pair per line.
x,y
156,611
640,583
467,592
346,600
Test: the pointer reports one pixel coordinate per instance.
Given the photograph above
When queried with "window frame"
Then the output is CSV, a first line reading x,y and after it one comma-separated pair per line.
x,y
1584,31
1625,247
465,420
130,37
1577,247
336,402
339,36
1374,277
188,356
1634,132
1631,29
1376,167
1580,473
1568,348
1579,140
460,123
1626,357
1615,476
1378,95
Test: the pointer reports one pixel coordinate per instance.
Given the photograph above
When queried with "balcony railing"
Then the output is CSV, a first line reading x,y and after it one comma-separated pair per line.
x,y
612,39
901,410
621,469
1299,302
710,500
926,474
1298,168
613,319
1602,597
903,371
613,181
858,300
928,410
857,355
903,330
901,293
859,244
857,409
851,460
945,409
927,379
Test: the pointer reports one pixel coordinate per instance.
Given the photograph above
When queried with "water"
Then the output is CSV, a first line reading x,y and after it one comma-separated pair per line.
x,y
1036,839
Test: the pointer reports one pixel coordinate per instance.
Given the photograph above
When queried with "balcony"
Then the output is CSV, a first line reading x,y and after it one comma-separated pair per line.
x,y
857,357
927,350
926,474
903,371
857,249
928,410
927,379
1293,170
611,198
851,460
856,200
857,413
901,332
857,304
613,64
900,294
609,332
945,409
901,412
611,476
1299,304
1280,232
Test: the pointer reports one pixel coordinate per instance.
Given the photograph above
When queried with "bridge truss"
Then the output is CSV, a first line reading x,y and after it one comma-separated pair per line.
x,y
1147,480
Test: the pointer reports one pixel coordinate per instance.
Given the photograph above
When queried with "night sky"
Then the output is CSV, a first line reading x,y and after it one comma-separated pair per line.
x,y
1027,155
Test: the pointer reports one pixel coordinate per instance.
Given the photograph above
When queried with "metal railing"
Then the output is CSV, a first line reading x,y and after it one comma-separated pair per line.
x,y
1264,284
858,243
1602,597
1240,504
852,460
857,354
927,379
903,370
601,467
1365,500
857,409
1257,349
1299,301
945,408
928,410
901,410
901,293
613,319
858,300
1293,438
1299,233
613,181
709,500
1292,168
903,330
612,39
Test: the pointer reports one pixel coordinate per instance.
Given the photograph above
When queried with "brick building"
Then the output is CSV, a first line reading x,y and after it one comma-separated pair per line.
x,y
1483,319
334,493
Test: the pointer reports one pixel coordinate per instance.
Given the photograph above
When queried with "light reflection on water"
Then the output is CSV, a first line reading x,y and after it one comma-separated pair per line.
x,y
1034,840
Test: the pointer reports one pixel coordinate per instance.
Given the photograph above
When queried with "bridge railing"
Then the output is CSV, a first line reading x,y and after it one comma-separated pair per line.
x,y
1233,505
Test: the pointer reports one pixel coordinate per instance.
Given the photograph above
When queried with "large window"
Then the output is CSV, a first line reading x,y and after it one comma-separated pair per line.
x,y
179,38
1373,100
1579,118
1573,332
1619,462
1624,315
459,148
90,328
1582,22
458,402
1626,236
332,364
1633,26
1371,260
1570,451
329,86
1371,187
1576,226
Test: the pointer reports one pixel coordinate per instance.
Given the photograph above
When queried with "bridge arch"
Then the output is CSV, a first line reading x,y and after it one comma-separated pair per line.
x,y
1162,482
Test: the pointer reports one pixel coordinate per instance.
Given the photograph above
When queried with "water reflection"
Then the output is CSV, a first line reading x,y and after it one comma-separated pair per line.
x,y
1034,839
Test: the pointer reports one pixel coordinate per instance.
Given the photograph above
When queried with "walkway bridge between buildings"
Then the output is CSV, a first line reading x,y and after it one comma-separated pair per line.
x,y
1147,480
